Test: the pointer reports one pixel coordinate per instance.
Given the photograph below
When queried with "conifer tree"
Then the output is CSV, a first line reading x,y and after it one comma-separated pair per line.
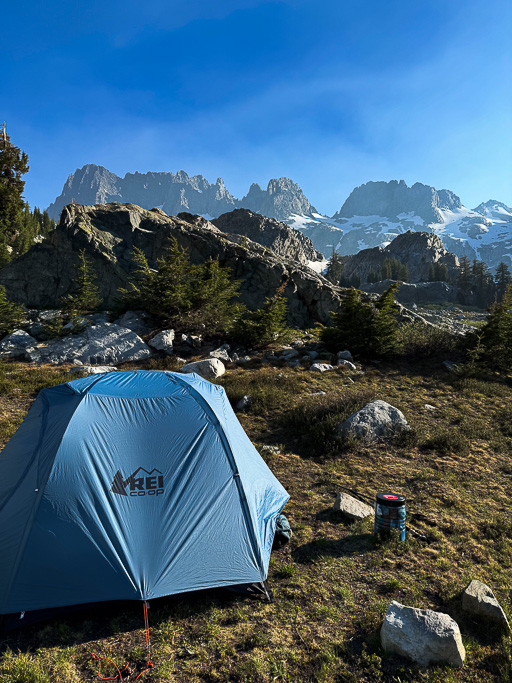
x,y
352,326
266,325
496,335
464,277
11,314
13,166
384,324
192,297
502,279
334,270
85,297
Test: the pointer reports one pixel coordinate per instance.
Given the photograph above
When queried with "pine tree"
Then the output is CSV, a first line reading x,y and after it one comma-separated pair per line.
x,y
352,326
502,279
334,270
13,166
265,326
85,297
11,314
191,297
384,324
496,335
464,277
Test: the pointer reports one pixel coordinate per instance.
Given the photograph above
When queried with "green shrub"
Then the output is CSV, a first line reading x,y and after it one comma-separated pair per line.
x,y
420,340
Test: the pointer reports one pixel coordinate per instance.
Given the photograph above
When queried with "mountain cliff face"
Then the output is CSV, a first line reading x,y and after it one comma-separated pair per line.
x,y
108,233
175,193
417,250
376,212
279,237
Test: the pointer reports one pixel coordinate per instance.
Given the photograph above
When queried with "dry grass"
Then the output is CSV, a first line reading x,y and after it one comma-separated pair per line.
x,y
333,583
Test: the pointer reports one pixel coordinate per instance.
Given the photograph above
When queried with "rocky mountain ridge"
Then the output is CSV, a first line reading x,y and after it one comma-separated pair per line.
x,y
372,215
178,192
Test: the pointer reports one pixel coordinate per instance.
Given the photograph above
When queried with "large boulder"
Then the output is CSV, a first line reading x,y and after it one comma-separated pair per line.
x,y
422,635
376,420
103,344
352,508
134,321
479,600
15,344
209,369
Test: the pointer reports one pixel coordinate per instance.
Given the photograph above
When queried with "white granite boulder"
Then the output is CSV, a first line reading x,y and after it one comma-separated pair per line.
x,y
377,419
103,344
92,369
321,367
422,635
14,345
478,599
352,508
346,364
163,341
211,368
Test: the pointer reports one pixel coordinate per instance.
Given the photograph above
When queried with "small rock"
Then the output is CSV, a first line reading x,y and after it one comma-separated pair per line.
x,y
376,419
318,393
345,355
272,450
243,403
222,354
244,359
163,341
209,369
422,635
92,369
321,367
478,599
15,344
346,364
450,366
196,341
293,363
290,353
48,316
351,507
429,407
313,354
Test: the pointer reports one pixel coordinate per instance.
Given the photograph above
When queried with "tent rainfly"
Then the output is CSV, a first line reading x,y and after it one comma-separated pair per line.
x,y
131,486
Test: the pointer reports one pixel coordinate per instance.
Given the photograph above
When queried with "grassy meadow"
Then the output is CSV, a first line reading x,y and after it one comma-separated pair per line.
x,y
332,584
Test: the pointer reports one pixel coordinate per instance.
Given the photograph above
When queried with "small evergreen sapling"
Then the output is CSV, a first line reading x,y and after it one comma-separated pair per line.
x,y
85,297
11,314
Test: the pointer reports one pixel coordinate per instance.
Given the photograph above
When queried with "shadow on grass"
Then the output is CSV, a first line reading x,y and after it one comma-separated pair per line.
x,y
355,544
89,623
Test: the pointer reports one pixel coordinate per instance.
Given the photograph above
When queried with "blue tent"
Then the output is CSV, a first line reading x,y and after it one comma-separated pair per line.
x,y
131,486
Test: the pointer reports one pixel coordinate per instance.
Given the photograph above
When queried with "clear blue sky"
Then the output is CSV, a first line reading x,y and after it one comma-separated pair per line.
x,y
329,93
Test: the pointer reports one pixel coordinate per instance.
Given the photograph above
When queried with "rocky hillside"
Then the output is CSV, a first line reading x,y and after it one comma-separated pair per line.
x,y
109,233
279,237
174,193
417,250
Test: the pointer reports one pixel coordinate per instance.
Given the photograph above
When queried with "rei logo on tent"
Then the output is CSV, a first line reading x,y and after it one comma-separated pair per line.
x,y
140,483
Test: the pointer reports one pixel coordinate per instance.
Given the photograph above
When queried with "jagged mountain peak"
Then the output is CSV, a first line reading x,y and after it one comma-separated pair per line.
x,y
391,199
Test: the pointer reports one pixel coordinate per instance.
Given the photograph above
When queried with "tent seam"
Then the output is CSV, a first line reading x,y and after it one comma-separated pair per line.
x,y
236,474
